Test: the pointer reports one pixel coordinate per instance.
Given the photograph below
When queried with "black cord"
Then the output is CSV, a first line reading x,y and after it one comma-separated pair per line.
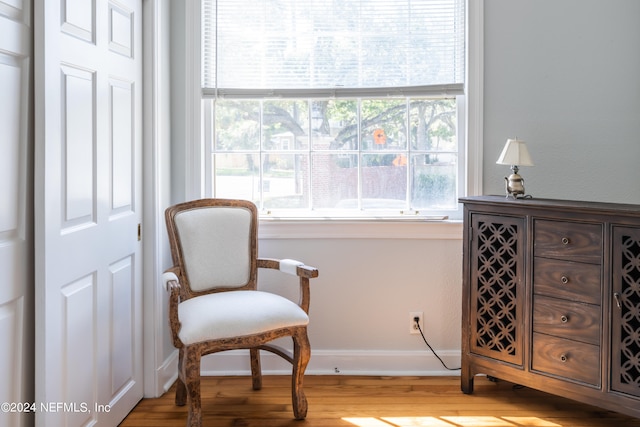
x,y
433,351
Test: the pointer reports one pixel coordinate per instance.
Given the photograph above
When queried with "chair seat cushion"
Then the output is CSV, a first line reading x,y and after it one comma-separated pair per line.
x,y
236,314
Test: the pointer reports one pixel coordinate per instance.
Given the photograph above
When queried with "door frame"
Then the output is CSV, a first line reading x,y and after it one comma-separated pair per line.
x,y
160,360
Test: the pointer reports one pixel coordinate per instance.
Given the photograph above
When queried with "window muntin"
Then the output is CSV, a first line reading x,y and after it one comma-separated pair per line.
x,y
350,157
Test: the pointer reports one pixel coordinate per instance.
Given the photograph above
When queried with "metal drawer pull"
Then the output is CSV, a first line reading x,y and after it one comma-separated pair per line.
x,y
564,319
616,296
563,358
564,280
565,240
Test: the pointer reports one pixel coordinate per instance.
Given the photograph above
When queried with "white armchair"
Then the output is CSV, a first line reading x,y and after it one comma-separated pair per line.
x,y
214,303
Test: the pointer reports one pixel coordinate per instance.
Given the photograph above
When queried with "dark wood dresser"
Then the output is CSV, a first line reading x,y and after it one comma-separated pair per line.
x,y
551,298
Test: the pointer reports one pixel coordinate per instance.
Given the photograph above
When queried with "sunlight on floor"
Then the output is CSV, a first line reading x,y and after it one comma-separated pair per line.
x,y
467,421
531,421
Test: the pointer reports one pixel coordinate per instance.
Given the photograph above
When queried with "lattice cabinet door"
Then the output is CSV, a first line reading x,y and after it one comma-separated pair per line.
x,y
497,287
625,346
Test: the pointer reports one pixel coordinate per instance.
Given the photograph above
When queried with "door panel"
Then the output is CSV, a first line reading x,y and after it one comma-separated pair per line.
x,y
78,147
88,191
122,147
123,331
625,306
497,287
78,347
16,211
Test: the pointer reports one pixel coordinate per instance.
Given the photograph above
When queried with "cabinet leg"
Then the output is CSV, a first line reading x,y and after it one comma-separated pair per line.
x,y
466,380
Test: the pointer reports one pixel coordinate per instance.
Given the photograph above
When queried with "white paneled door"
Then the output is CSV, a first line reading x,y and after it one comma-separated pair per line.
x,y
88,202
16,211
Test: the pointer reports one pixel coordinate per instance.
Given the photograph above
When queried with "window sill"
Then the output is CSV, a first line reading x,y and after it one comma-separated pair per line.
x,y
360,229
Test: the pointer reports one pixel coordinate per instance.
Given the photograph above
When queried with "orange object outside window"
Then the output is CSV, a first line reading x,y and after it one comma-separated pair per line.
x,y
379,137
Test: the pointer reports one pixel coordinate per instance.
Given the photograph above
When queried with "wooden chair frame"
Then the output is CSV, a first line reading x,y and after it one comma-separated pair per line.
x,y
188,385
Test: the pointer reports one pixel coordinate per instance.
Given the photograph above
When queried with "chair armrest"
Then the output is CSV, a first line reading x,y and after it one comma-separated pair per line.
x,y
297,268
289,266
170,280
172,285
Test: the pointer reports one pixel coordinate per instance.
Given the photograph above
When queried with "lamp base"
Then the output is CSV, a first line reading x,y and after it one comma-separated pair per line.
x,y
514,186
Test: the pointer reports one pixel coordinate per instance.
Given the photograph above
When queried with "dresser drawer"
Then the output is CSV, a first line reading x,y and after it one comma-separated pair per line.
x,y
567,279
566,358
568,240
567,319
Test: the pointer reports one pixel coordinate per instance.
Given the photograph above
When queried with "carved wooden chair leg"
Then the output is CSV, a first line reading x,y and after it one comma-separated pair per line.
x,y
191,375
301,356
181,390
256,370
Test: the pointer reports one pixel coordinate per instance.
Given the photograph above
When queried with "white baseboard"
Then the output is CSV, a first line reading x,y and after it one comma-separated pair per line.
x,y
336,362
168,372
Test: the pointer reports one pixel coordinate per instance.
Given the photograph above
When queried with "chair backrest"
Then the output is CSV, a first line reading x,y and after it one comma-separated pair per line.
x,y
214,244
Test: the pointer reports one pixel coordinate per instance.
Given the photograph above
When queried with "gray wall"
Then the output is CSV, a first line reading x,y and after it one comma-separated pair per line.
x,y
564,75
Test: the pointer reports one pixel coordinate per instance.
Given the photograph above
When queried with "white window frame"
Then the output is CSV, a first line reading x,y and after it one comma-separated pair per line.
x,y
197,161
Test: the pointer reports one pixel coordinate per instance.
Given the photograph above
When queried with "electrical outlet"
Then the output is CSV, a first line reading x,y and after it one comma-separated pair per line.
x,y
413,328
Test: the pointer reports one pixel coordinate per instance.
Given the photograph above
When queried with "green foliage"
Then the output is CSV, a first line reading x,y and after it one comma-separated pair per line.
x,y
430,188
431,122
378,160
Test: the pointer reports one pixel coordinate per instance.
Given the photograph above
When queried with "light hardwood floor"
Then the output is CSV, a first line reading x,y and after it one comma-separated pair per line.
x,y
375,402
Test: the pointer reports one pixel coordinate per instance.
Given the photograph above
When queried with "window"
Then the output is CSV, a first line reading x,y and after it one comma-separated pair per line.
x,y
335,109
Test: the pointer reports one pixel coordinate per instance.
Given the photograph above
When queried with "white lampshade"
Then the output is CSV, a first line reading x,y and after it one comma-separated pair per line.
x,y
515,153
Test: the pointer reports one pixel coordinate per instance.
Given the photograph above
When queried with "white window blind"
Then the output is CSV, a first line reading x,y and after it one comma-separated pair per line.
x,y
338,48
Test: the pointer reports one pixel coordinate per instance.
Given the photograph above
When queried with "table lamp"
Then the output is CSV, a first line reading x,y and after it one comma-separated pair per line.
x,y
515,153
